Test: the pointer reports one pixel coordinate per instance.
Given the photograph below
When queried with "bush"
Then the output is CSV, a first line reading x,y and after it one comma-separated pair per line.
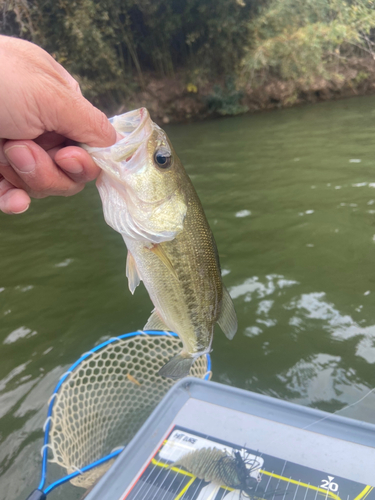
x,y
300,39
227,100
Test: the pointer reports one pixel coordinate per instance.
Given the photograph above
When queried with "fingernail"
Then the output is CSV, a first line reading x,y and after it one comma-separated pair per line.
x,y
72,165
22,211
21,158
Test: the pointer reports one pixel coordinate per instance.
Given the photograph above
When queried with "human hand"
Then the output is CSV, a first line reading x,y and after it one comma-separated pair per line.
x,y
42,113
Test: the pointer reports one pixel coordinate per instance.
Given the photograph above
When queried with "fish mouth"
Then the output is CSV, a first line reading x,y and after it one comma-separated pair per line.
x,y
130,122
133,127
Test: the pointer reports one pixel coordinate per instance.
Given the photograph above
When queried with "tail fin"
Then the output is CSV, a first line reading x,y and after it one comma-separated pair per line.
x,y
177,367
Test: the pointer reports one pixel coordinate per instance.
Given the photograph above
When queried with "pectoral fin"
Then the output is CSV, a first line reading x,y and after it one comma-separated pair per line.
x,y
159,252
155,323
132,273
227,319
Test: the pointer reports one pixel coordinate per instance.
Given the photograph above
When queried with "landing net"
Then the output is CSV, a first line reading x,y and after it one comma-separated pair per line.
x,y
105,397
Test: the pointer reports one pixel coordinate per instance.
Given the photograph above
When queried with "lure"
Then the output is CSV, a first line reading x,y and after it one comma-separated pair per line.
x,y
132,379
212,464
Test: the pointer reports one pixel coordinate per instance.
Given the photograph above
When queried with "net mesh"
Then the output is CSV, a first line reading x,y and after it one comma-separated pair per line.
x,y
106,399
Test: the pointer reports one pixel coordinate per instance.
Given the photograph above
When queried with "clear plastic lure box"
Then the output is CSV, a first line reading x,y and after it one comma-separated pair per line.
x,y
293,452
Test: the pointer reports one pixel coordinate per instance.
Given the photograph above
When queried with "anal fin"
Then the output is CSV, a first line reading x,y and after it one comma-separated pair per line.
x,y
228,318
155,323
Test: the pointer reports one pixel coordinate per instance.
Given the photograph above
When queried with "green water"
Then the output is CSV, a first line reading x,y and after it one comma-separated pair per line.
x,y
294,219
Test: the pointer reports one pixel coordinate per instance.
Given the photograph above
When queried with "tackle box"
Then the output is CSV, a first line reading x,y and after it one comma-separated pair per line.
x,y
290,451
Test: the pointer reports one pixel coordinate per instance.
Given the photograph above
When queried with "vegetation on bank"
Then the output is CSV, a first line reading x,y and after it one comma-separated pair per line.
x,y
192,58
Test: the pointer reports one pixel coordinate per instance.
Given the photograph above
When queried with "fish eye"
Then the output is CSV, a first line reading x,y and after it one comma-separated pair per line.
x,y
163,158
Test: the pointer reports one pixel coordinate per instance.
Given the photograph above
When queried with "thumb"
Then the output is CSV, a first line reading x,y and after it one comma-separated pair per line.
x,y
78,120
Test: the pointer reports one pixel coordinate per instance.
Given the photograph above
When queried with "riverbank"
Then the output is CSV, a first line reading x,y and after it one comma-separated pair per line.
x,y
177,99
194,59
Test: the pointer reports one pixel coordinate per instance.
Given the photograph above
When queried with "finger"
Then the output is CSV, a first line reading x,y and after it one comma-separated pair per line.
x,y
12,177
7,171
74,161
68,77
74,117
3,158
38,171
12,200
65,74
50,140
77,163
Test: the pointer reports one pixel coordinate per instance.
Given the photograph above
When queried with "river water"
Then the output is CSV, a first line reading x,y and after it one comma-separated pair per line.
x,y
290,196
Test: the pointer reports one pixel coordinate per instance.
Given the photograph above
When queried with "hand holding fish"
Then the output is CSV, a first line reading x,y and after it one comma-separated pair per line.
x,y
42,111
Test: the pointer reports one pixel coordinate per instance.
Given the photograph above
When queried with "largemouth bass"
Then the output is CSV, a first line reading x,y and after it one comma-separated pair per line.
x,y
149,199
